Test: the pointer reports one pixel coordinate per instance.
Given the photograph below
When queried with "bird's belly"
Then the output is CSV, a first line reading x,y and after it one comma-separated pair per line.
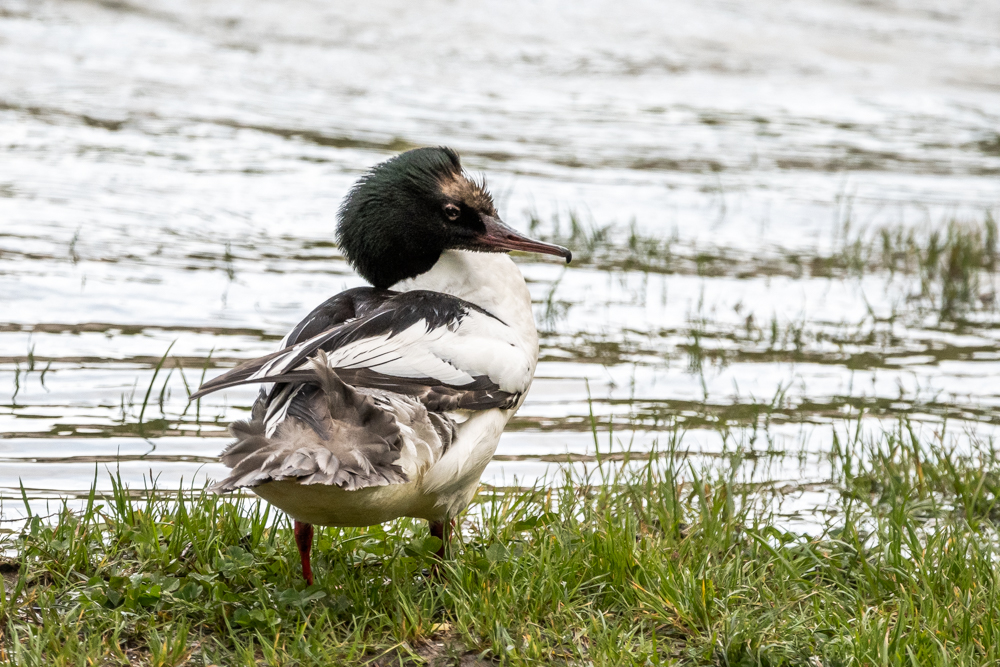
x,y
328,505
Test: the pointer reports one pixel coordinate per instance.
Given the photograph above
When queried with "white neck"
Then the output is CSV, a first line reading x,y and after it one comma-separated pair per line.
x,y
490,280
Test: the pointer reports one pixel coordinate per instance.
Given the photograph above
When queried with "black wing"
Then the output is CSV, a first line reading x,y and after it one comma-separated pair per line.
x,y
370,323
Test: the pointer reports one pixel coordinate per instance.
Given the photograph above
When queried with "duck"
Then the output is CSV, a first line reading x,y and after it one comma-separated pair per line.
x,y
389,400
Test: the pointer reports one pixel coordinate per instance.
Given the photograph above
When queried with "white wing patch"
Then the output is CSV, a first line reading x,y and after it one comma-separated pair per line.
x,y
453,355
483,345
409,354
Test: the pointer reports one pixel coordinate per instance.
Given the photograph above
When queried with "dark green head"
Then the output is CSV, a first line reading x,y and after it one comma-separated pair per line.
x,y
398,219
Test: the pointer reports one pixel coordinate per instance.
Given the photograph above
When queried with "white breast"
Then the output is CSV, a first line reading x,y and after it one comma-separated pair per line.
x,y
493,282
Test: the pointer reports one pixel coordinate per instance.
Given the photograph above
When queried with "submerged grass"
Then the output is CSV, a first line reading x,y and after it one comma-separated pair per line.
x,y
651,563
952,261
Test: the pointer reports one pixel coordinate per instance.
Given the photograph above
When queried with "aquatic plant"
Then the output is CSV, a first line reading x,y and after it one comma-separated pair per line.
x,y
952,261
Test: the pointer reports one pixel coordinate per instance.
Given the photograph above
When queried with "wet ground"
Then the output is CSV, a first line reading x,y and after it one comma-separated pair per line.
x,y
755,194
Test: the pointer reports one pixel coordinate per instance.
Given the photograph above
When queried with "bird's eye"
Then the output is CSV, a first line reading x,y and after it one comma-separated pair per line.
x,y
452,211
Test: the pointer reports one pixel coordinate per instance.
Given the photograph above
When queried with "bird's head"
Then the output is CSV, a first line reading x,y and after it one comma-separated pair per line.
x,y
400,216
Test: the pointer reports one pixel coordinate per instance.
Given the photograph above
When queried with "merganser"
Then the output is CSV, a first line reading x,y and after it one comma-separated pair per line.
x,y
388,401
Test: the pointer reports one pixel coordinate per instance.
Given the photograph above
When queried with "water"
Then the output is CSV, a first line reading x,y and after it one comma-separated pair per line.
x,y
171,173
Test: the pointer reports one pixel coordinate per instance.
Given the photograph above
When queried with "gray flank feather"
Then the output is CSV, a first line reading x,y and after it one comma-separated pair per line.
x,y
336,436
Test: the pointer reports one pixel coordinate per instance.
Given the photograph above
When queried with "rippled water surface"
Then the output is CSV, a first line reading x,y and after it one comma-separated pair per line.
x,y
738,181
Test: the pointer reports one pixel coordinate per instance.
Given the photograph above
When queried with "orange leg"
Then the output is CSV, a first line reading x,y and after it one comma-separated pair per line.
x,y
304,540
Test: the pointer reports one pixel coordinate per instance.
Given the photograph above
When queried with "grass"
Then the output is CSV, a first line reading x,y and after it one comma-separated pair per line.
x,y
952,262
651,563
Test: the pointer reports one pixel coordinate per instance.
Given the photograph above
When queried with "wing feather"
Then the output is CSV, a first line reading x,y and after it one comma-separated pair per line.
x,y
439,348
